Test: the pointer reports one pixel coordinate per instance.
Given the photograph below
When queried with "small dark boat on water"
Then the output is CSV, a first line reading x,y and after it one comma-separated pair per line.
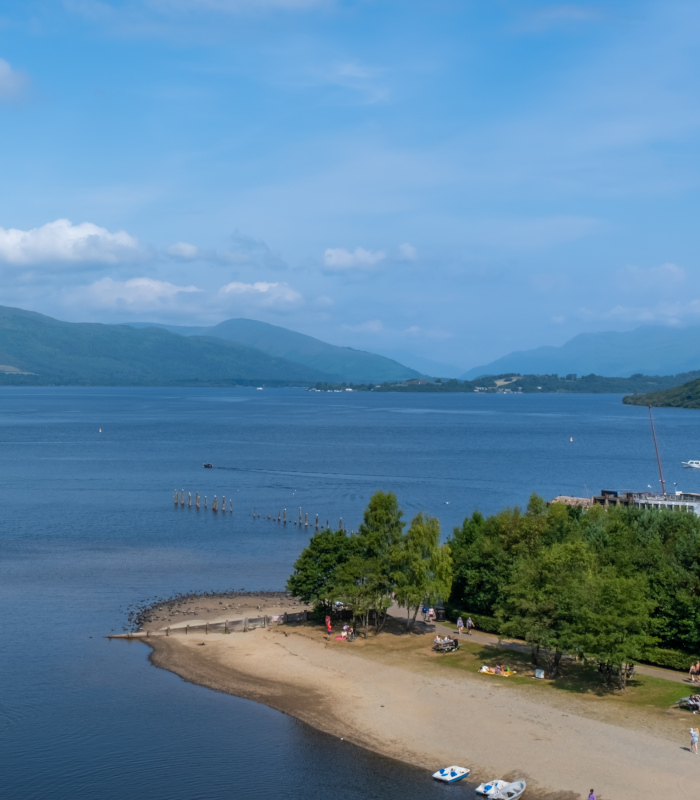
x,y
208,466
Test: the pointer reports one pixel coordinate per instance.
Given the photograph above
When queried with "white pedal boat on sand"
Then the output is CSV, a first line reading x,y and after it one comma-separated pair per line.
x,y
451,774
490,788
511,791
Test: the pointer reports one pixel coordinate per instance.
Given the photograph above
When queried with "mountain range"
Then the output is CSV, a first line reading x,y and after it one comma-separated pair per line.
x,y
337,363
37,349
649,350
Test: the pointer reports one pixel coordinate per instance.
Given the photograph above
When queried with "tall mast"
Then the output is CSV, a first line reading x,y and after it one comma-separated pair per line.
x,y
656,447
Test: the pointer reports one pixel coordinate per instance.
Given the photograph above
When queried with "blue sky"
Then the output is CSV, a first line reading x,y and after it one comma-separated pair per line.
x,y
446,180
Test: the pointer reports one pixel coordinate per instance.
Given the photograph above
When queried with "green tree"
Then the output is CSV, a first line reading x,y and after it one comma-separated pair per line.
x,y
543,602
361,585
423,568
614,622
315,569
376,540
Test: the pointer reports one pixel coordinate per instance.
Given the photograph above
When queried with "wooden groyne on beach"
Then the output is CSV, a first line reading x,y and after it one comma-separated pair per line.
x,y
227,626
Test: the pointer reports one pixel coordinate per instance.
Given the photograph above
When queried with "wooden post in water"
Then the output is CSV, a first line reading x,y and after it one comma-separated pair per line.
x,y
175,496
328,525
341,523
300,515
284,517
214,505
182,497
306,520
205,501
316,521
223,502
230,506
189,499
197,501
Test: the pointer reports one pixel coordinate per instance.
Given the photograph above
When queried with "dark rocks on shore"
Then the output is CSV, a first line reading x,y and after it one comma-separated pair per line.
x,y
148,611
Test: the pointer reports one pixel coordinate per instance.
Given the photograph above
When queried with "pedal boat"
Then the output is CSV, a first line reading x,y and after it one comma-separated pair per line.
x,y
451,774
511,791
490,788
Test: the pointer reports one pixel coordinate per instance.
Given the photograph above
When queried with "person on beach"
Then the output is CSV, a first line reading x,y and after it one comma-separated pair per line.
x,y
460,625
694,736
692,672
431,614
470,625
329,627
425,613
592,796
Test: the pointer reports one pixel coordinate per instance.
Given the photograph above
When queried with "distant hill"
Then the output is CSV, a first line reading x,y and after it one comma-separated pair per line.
x,y
342,363
35,349
685,396
649,350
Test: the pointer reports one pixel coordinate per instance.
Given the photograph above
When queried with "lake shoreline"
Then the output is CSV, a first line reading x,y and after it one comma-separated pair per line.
x,y
399,709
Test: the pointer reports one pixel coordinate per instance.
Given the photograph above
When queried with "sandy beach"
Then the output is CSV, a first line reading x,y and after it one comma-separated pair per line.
x,y
396,699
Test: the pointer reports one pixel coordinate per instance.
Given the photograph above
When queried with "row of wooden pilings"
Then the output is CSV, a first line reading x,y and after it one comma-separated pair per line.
x,y
282,517
179,498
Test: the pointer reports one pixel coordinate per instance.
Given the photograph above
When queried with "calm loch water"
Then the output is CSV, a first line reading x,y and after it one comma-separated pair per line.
x,y
88,527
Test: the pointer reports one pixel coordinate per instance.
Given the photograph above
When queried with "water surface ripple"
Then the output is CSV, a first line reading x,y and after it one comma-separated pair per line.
x,y
88,528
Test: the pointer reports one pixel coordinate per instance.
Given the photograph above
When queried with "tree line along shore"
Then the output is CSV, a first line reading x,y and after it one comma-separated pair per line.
x,y
636,388
611,586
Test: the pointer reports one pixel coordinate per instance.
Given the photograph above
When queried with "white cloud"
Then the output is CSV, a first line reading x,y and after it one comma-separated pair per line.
x,y
407,252
12,82
135,293
62,241
183,250
662,278
664,313
279,296
339,259
416,331
371,326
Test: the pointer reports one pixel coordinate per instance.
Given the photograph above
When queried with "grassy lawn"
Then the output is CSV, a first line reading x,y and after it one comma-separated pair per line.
x,y
393,645
577,678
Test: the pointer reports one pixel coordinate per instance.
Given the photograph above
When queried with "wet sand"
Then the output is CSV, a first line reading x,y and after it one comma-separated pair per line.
x,y
392,701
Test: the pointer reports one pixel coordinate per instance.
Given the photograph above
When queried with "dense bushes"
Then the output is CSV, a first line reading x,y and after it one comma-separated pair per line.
x,y
671,659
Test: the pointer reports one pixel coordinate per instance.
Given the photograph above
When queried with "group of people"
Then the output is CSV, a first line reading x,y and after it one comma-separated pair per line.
x,y
694,672
469,626
347,634
446,642
499,669
694,703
